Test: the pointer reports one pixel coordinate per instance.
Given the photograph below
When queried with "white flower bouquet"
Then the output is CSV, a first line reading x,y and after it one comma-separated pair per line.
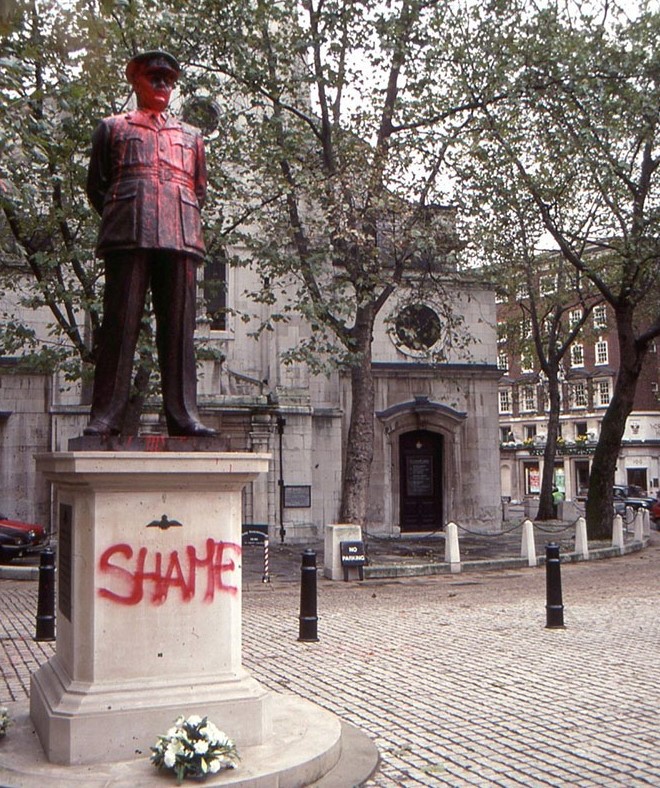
x,y
5,720
194,747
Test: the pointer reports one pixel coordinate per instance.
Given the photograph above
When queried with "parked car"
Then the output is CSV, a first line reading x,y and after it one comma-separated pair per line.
x,y
655,513
632,496
18,539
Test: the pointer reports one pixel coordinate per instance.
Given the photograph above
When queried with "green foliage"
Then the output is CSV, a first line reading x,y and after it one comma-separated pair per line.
x,y
333,131
565,147
321,132
47,236
570,122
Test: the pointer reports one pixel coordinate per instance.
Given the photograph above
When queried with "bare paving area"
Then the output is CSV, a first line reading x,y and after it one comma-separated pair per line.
x,y
455,677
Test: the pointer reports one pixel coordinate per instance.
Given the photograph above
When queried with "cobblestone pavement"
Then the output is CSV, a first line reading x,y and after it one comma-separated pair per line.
x,y
455,677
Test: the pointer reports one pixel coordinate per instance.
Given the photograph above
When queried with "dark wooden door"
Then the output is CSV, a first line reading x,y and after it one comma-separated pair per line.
x,y
421,480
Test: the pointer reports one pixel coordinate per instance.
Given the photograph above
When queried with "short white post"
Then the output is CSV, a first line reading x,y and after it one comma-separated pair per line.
x,y
638,526
452,552
646,530
581,541
334,535
617,532
528,548
629,514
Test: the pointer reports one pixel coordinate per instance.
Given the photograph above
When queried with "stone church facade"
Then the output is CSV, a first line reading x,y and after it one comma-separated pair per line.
x,y
436,424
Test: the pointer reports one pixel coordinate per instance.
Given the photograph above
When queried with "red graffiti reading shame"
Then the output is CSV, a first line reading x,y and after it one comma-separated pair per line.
x,y
131,571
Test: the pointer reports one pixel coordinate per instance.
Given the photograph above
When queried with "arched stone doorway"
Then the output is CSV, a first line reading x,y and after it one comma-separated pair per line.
x,y
420,477
437,427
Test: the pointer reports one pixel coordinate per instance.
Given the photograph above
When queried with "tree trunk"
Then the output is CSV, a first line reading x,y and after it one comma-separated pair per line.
x,y
360,444
546,506
599,511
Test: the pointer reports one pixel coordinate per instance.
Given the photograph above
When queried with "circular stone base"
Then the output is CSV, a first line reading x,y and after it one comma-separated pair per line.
x,y
309,745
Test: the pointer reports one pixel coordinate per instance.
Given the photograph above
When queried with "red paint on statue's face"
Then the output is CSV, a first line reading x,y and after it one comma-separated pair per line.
x,y
153,88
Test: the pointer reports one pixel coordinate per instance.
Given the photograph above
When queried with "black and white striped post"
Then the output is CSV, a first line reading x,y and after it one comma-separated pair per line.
x,y
266,575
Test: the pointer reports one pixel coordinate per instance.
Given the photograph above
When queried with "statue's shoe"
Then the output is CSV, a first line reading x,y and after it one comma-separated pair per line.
x,y
194,429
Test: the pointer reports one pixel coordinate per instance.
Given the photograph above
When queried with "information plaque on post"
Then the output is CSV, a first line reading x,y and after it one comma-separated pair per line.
x,y
353,556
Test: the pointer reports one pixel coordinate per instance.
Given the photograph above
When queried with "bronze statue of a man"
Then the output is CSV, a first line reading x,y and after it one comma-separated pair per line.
x,y
147,180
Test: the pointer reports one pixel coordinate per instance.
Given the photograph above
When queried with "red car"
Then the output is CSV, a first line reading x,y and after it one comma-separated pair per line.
x,y
18,539
655,513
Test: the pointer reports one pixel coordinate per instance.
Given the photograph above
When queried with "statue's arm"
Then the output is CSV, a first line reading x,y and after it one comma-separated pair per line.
x,y
200,172
98,173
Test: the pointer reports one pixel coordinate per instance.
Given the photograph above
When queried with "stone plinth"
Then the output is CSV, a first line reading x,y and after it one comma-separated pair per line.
x,y
335,534
149,603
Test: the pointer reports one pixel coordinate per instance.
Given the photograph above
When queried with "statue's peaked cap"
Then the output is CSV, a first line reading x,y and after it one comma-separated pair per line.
x,y
155,58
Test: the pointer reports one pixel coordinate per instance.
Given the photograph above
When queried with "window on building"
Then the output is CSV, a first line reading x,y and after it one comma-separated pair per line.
x,y
546,399
506,434
603,395
522,292
548,284
503,362
579,395
601,352
526,328
654,388
528,398
532,477
529,431
505,400
580,428
582,477
418,327
600,316
215,291
574,317
526,363
577,355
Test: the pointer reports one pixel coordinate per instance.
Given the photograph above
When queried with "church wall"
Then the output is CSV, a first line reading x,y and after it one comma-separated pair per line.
x,y
24,432
472,310
245,394
316,409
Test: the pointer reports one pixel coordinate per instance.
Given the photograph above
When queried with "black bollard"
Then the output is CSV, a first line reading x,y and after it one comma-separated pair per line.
x,y
308,618
554,607
46,598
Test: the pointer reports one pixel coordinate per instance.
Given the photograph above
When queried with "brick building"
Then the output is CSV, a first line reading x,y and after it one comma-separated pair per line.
x,y
587,383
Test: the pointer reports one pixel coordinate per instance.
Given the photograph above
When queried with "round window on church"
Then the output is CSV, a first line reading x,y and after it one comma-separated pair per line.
x,y
417,327
203,113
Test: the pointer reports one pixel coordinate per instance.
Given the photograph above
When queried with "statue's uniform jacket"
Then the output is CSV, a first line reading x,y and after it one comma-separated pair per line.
x,y
147,180
148,183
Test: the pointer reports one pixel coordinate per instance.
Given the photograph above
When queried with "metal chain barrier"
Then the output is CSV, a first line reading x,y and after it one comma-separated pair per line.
x,y
557,530
628,519
503,532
